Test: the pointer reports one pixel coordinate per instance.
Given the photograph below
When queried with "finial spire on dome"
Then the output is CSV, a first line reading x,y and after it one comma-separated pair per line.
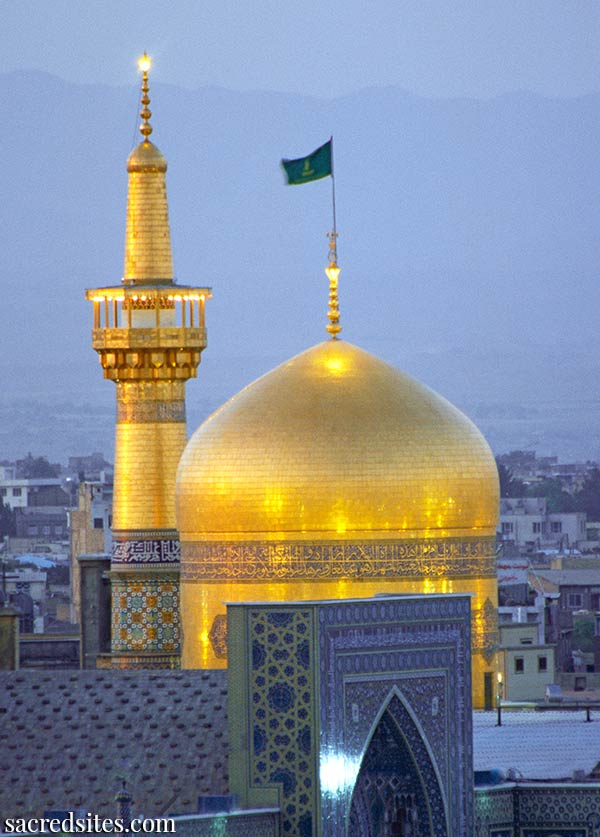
x,y
333,272
144,64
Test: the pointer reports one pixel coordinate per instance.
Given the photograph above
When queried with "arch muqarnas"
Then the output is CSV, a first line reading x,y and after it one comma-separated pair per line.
x,y
397,791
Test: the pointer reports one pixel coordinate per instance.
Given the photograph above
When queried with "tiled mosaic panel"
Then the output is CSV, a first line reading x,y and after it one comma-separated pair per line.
x,y
530,811
561,832
567,812
145,614
485,640
397,766
428,690
493,813
282,713
380,644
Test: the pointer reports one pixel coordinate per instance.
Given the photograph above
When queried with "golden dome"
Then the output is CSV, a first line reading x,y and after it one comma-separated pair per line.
x,y
336,444
146,157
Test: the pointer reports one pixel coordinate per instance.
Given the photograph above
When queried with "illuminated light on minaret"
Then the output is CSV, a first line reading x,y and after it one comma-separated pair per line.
x,y
149,333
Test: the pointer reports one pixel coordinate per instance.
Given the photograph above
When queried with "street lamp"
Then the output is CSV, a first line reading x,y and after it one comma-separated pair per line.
x,y
499,699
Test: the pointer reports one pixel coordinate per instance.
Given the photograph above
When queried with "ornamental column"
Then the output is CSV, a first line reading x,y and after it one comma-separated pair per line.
x,y
149,332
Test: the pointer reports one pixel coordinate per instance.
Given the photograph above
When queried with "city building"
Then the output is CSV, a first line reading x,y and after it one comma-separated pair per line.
x,y
533,470
579,588
527,666
18,492
526,523
90,532
91,468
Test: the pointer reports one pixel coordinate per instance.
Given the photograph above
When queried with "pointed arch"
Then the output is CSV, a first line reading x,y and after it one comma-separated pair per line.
x,y
398,790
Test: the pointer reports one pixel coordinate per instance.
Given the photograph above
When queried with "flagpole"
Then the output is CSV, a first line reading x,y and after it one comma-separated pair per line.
x,y
335,234
332,270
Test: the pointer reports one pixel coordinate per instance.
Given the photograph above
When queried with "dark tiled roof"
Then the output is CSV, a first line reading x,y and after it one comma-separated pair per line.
x,y
67,737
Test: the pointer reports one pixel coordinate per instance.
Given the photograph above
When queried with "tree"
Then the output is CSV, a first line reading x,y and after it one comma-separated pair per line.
x,y
557,499
588,497
34,467
583,635
509,485
8,524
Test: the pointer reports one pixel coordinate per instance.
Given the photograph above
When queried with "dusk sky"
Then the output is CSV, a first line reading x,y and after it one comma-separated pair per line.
x,y
475,48
467,137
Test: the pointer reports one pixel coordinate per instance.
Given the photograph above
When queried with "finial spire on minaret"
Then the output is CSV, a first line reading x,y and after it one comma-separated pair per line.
x,y
148,257
333,272
144,64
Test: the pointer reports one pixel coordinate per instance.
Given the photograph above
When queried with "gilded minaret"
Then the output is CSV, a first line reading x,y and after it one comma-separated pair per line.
x,y
149,332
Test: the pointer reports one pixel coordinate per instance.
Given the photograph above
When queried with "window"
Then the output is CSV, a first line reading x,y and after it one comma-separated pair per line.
x,y
556,526
519,665
17,492
542,663
575,600
2,492
506,528
537,527
98,523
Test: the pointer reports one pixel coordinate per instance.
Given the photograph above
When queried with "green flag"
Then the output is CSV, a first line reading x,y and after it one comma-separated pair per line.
x,y
306,169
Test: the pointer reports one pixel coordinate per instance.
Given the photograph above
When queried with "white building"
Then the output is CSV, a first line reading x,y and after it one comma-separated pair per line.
x,y
17,492
527,523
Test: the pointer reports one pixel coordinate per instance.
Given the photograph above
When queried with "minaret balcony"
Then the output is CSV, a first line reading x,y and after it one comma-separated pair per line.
x,y
149,338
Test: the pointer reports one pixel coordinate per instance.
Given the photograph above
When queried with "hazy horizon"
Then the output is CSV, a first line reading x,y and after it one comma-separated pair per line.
x,y
468,214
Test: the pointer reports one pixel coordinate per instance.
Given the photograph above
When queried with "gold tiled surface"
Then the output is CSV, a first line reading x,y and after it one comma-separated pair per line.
x,y
147,237
336,443
143,411
132,356
134,392
146,458
202,602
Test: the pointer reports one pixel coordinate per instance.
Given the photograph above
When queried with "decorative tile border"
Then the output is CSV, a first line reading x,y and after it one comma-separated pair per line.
x,y
147,550
255,560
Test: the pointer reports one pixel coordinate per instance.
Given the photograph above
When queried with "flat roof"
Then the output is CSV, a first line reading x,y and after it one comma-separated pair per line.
x,y
539,745
575,576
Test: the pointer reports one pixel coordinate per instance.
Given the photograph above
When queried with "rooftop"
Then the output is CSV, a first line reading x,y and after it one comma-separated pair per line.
x,y
66,738
572,577
539,745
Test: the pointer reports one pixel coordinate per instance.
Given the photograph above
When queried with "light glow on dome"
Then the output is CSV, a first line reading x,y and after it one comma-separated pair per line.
x,y
335,364
273,500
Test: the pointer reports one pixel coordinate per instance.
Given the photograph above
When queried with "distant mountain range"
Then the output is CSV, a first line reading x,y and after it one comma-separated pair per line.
x,y
469,246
